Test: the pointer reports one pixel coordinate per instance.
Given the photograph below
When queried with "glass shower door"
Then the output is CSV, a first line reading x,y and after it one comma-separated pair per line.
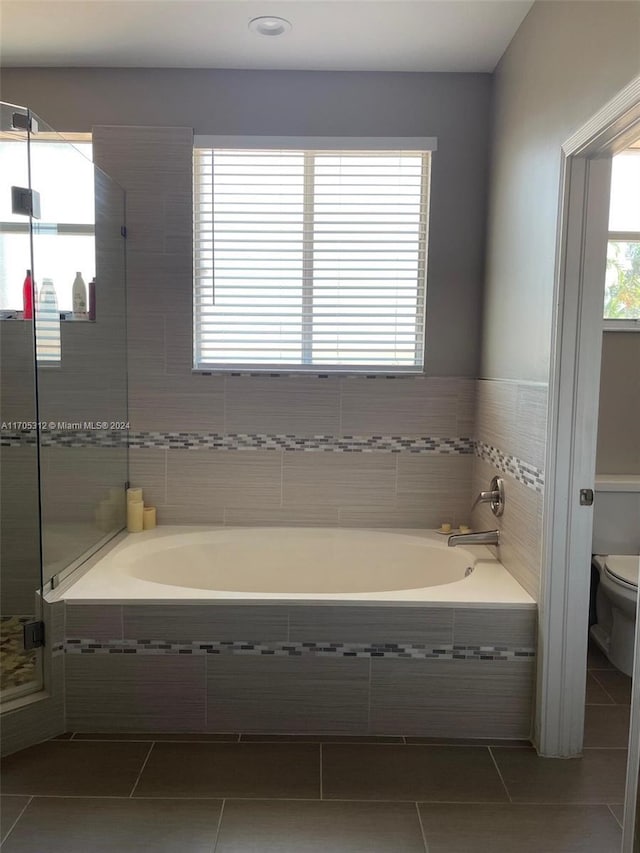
x,y
20,558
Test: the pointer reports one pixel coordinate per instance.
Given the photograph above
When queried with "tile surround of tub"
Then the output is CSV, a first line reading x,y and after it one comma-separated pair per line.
x,y
287,694
441,697
512,416
134,693
315,668
520,526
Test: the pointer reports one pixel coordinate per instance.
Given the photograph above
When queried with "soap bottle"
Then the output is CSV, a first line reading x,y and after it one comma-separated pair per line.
x,y
48,323
79,293
92,299
27,297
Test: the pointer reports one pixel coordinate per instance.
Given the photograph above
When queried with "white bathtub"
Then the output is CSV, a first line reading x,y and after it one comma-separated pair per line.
x,y
179,563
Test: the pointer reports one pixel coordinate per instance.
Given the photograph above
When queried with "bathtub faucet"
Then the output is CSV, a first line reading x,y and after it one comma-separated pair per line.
x,y
494,497
482,537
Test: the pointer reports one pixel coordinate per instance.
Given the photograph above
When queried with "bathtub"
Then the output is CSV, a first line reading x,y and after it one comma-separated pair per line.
x,y
294,564
294,631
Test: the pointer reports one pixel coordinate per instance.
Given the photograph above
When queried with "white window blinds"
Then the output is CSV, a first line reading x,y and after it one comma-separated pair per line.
x,y
310,259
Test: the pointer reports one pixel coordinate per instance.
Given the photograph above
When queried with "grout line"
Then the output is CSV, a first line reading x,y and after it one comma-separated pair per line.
x,y
424,837
504,785
239,739
215,840
281,478
13,825
615,817
602,687
321,797
144,764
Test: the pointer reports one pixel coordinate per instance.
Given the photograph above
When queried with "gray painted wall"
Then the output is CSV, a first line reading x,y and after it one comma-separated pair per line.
x,y
564,63
618,433
453,107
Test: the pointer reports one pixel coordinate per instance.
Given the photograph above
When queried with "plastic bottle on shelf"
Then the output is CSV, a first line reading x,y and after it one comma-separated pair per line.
x,y
92,299
79,293
48,323
27,297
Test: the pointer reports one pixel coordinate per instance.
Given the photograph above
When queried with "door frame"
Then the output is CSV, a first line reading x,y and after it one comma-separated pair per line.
x,y
574,386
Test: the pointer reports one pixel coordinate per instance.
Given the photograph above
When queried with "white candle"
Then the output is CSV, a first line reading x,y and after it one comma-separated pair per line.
x,y
134,495
135,513
149,518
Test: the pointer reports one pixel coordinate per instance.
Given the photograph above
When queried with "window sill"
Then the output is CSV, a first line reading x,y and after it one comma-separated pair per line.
x,y
316,372
621,326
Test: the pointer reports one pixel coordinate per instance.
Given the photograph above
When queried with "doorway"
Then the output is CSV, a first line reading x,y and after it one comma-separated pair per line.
x,y
573,426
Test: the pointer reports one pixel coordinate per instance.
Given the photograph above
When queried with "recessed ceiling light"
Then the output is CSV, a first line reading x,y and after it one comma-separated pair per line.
x,y
267,25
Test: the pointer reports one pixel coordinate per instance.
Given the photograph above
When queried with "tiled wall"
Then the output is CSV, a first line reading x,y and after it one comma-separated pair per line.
x,y
375,480
510,440
20,527
356,670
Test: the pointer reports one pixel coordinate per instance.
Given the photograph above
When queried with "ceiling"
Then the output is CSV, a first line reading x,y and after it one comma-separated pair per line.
x,y
340,35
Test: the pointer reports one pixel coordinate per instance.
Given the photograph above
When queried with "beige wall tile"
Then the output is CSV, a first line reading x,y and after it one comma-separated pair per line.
x,y
440,698
421,405
520,527
338,479
435,484
224,478
301,406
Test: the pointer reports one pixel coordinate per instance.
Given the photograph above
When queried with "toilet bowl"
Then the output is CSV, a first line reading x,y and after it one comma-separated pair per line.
x,y
616,604
616,546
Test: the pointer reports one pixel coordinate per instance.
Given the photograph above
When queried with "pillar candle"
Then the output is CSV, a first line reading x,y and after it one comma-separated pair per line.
x,y
135,512
149,518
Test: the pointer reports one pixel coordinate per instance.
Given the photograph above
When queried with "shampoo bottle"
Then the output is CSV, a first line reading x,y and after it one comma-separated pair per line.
x,y
27,297
79,293
48,323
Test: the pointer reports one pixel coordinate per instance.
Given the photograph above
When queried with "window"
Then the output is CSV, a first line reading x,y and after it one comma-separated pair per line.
x,y
310,258
622,282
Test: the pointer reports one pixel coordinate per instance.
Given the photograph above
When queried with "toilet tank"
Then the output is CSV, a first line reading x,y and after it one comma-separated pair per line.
x,y
616,514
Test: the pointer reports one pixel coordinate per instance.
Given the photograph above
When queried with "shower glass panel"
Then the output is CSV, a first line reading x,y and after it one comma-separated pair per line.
x,y
20,563
80,349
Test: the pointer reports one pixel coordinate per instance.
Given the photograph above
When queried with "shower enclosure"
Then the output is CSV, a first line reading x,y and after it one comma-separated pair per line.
x,y
63,386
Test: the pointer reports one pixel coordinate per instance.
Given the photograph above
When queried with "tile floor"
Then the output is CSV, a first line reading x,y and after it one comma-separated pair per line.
x,y
226,793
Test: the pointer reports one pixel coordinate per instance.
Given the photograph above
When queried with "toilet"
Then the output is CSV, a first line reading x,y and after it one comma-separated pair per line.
x,y
616,550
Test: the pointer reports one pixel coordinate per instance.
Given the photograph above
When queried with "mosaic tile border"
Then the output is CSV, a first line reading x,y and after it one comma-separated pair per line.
x,y
243,441
316,443
297,649
524,473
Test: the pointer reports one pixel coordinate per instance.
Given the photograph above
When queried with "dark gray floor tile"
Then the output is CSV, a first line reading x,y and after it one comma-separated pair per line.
x,y
276,738
595,693
232,770
70,768
159,736
10,810
433,773
64,736
597,777
86,825
595,658
618,811
526,828
617,684
261,826
606,725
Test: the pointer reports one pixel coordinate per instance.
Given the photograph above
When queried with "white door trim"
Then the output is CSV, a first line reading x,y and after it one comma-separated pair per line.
x,y
572,424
